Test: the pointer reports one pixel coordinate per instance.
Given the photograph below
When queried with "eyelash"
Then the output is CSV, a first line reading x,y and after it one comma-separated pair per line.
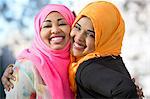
x,y
77,27
90,34
48,26
61,24
93,36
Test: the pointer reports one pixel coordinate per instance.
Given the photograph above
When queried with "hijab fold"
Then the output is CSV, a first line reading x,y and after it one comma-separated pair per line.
x,y
51,64
109,30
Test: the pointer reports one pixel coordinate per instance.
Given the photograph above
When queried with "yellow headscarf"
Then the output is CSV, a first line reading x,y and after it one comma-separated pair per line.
x,y
109,30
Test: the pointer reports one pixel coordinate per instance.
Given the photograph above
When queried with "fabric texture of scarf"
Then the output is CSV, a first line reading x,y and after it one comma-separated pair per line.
x,y
51,64
109,30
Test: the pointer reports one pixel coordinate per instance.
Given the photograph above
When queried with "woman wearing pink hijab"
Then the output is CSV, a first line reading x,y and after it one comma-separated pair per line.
x,y
41,71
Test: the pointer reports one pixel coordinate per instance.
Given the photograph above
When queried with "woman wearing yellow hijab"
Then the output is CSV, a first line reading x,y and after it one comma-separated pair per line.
x,y
97,69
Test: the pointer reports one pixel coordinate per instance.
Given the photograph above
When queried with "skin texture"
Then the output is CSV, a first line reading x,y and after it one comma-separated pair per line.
x,y
55,31
83,37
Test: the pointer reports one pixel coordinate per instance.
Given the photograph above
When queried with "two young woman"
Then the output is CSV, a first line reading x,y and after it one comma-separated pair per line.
x,y
96,70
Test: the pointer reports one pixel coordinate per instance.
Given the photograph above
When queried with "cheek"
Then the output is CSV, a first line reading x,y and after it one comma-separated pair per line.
x,y
67,30
67,36
72,33
44,33
91,44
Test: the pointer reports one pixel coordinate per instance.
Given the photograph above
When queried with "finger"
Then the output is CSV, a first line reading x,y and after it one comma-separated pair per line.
x,y
12,77
133,79
10,70
9,84
137,87
10,65
4,79
141,92
6,73
6,83
6,87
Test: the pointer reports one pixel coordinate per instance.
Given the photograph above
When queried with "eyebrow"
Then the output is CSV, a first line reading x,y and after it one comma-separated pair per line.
x,y
78,24
91,31
60,19
47,21
51,21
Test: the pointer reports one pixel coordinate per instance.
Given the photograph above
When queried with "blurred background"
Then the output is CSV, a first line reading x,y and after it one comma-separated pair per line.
x,y
17,30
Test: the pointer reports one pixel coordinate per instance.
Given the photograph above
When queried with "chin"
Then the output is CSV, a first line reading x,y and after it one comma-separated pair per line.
x,y
57,47
76,54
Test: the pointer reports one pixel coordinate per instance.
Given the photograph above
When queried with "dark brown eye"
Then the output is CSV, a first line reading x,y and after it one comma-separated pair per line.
x,y
61,24
91,34
47,26
77,27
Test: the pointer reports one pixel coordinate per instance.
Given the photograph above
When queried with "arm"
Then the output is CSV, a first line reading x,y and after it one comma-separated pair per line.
x,y
23,86
107,82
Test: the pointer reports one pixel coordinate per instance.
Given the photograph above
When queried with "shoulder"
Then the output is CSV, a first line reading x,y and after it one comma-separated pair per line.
x,y
98,75
105,67
24,64
88,65
110,63
87,68
25,68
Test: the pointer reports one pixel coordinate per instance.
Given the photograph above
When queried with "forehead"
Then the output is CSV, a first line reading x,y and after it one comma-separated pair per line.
x,y
54,15
85,22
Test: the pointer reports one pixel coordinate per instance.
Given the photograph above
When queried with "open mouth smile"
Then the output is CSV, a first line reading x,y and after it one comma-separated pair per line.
x,y
79,46
56,39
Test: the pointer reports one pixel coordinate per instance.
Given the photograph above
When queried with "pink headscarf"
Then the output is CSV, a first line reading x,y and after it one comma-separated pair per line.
x,y
51,64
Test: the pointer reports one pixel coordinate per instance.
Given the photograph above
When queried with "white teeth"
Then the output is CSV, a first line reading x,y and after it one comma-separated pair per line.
x,y
78,46
57,39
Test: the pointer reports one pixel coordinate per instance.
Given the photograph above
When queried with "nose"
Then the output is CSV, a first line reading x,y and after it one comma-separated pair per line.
x,y
55,29
80,36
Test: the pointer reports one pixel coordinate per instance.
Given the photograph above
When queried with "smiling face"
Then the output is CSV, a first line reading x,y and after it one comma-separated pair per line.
x,y
83,36
55,31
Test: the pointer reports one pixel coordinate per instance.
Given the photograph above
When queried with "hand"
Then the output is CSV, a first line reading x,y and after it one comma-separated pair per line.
x,y
139,90
7,76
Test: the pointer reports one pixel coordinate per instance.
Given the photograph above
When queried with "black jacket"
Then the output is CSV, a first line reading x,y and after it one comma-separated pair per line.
x,y
105,77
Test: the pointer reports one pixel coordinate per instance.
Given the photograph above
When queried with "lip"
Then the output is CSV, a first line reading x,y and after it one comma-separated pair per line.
x,y
79,46
56,39
55,36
